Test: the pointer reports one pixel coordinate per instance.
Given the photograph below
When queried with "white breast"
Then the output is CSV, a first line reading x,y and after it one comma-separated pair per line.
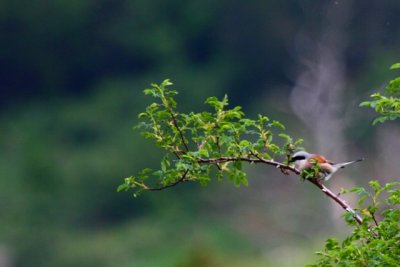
x,y
300,164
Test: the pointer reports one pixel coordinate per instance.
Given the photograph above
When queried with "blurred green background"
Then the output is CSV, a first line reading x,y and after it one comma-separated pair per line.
x,y
71,79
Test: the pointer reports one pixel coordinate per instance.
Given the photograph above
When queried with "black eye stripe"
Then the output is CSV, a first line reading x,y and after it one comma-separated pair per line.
x,y
297,158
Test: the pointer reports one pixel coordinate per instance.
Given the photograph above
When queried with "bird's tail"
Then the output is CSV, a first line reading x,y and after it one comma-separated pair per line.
x,y
340,166
344,164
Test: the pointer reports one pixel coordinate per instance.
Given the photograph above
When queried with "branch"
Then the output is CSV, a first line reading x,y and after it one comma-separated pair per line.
x,y
180,180
250,160
174,121
256,159
342,203
337,199
205,122
374,218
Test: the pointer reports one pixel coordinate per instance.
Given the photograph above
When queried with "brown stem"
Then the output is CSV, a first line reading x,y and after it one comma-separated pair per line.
x,y
180,180
342,203
174,121
337,199
256,159
374,218
250,160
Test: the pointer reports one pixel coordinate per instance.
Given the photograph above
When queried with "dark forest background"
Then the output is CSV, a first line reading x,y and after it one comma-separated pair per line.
x,y
71,79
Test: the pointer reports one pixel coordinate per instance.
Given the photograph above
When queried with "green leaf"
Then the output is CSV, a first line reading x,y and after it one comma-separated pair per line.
x,y
262,118
362,199
204,153
166,83
394,198
395,66
331,244
278,124
122,187
349,217
379,120
274,148
375,185
286,137
365,104
299,142
390,185
165,164
359,190
214,102
152,92
394,87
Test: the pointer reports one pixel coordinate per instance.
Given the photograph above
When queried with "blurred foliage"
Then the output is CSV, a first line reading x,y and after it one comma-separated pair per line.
x,y
63,47
70,79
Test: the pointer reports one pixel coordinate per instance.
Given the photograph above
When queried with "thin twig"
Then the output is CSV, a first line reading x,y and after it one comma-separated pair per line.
x,y
250,160
177,155
174,121
374,218
337,199
180,180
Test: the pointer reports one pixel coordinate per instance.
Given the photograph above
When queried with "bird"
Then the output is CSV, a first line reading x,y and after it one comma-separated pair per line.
x,y
304,161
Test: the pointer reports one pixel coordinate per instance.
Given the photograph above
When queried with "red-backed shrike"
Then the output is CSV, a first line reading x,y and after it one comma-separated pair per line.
x,y
304,160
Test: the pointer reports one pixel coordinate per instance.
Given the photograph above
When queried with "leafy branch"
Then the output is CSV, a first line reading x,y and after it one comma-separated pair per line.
x,y
216,143
376,240
367,245
388,105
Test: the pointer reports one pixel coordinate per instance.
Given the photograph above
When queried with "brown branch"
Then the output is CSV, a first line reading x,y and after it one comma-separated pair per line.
x,y
256,159
374,218
342,203
177,155
249,160
174,121
337,199
180,180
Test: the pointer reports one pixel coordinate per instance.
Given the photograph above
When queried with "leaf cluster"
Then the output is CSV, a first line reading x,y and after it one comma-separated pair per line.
x,y
375,242
313,173
387,105
199,145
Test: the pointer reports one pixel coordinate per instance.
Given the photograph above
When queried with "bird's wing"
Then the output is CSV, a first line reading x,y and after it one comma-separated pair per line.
x,y
317,159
